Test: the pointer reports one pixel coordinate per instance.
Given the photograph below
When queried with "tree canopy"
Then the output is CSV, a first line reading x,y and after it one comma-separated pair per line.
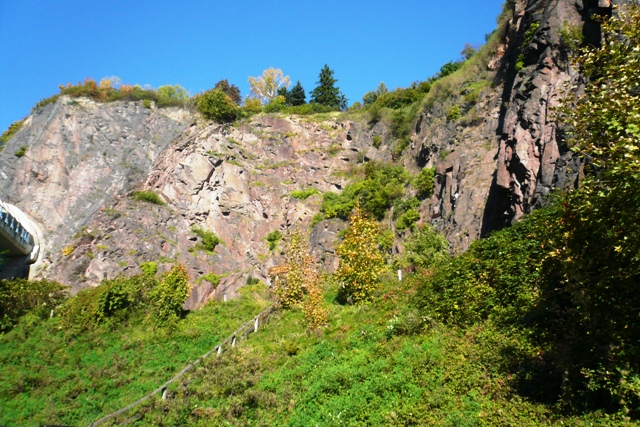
x,y
267,85
326,93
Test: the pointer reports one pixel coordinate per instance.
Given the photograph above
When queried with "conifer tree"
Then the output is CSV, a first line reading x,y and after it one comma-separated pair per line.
x,y
296,95
326,93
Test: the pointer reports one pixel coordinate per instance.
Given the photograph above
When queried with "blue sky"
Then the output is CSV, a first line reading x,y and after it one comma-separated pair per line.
x,y
195,43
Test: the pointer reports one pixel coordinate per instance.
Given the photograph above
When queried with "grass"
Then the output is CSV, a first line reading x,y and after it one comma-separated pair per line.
x,y
10,132
54,375
147,196
304,194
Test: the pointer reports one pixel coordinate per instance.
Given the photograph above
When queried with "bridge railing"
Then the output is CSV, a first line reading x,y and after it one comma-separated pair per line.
x,y
16,231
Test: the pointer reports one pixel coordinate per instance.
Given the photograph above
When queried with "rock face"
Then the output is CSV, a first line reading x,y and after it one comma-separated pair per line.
x,y
80,155
506,152
235,182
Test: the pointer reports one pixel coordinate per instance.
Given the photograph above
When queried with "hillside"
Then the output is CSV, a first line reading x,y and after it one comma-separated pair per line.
x,y
462,251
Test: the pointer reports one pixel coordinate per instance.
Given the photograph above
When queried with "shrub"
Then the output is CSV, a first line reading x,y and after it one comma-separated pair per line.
x,y
114,300
276,105
251,106
307,109
273,238
19,296
376,141
148,196
290,291
216,105
361,262
10,132
169,95
407,220
304,194
571,37
383,184
424,182
149,268
209,239
453,113
211,278
425,249
21,151
168,297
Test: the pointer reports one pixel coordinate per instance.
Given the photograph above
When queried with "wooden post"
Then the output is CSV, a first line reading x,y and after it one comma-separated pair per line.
x,y
51,314
225,298
164,393
233,341
255,325
399,275
219,350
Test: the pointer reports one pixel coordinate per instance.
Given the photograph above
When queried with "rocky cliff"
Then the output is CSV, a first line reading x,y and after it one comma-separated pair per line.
x,y
492,138
506,152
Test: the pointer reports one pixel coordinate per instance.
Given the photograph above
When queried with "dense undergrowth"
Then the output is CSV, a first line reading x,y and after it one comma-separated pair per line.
x,y
106,348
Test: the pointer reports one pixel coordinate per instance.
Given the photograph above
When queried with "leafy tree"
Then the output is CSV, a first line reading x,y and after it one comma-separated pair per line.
x,y
424,182
361,262
232,91
597,335
296,95
290,291
425,249
315,311
326,93
169,295
467,51
449,68
217,105
175,92
266,86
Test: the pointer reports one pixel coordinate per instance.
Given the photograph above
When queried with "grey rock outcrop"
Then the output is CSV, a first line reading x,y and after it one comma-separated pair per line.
x,y
80,155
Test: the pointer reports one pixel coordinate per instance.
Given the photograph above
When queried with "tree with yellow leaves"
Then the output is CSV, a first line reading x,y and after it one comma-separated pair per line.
x,y
361,262
265,87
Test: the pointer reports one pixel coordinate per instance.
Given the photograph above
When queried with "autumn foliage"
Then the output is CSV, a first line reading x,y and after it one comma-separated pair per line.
x,y
361,262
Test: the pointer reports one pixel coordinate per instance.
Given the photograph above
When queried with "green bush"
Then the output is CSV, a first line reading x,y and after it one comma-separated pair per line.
x,y
273,238
407,220
149,268
148,196
113,301
211,278
209,239
424,249
424,182
21,151
215,105
276,105
383,184
376,141
168,297
307,109
453,113
20,296
304,194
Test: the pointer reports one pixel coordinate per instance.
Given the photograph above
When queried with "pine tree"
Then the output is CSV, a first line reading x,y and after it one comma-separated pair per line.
x,y
326,93
296,95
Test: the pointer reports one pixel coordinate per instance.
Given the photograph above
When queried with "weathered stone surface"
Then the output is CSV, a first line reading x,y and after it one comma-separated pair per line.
x,y
80,156
235,182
